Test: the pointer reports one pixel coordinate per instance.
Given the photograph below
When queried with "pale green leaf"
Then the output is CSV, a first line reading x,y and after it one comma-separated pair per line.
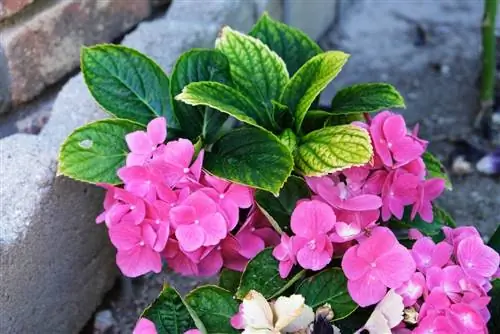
x,y
369,97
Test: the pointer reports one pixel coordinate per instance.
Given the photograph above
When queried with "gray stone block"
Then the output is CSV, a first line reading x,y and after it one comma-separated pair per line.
x,y
313,17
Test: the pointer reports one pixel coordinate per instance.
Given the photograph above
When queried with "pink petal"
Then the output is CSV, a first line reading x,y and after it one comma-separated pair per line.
x,y
138,261
465,319
251,244
354,267
231,213
433,188
202,203
215,228
378,138
310,218
241,195
406,150
394,128
125,236
163,233
367,290
285,267
144,326
211,264
362,203
314,183
135,159
191,237
182,214
139,142
179,152
313,259
476,258
381,241
395,267
157,130
442,254
196,167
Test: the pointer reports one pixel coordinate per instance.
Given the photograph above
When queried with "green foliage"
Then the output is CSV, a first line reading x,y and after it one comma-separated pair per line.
x,y
93,152
333,148
126,83
215,307
329,286
169,313
292,45
279,209
309,81
436,169
494,241
251,156
494,306
229,279
262,275
193,66
370,97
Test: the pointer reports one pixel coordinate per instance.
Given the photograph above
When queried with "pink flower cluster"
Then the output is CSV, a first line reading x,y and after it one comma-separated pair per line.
x,y
170,208
449,289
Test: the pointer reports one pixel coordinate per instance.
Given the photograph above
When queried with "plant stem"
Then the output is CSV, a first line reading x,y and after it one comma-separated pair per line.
x,y
489,61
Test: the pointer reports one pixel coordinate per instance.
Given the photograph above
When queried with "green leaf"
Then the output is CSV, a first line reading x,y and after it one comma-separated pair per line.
x,y
289,139
250,156
169,313
94,152
355,321
436,169
291,44
215,307
333,148
369,97
494,307
193,66
343,119
279,209
225,99
127,83
256,70
309,81
495,240
329,286
229,279
262,275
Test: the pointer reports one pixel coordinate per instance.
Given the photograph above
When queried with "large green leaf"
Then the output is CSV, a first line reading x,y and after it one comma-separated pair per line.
x,y
494,241
279,209
291,44
436,169
289,139
329,286
229,279
193,66
256,70
225,99
262,275
127,83
333,148
309,81
369,97
93,152
250,156
215,307
169,313
494,307
354,321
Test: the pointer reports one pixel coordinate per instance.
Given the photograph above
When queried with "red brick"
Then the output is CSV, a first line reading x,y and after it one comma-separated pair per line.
x,y
11,7
46,47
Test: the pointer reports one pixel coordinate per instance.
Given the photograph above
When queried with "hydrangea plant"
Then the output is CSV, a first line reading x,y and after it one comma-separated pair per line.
x,y
317,219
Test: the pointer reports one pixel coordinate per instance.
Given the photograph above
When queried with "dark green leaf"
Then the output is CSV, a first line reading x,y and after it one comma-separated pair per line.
x,y
279,209
436,169
229,279
215,307
329,286
256,70
193,66
262,275
495,240
370,97
355,321
343,119
333,148
127,84
225,99
494,307
169,313
291,44
250,156
289,139
309,81
94,152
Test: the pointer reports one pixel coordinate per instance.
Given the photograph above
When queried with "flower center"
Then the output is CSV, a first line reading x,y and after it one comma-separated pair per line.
x,y
157,222
196,221
312,244
221,196
373,265
132,207
185,170
141,243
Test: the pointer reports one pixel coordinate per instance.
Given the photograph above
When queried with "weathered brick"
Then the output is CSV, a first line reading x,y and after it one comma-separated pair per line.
x,y
11,7
42,49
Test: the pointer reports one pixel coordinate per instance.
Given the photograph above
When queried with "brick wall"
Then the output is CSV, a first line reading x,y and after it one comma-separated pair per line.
x,y
40,40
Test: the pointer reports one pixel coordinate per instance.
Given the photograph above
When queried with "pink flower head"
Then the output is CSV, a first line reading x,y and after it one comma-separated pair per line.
x,y
311,221
198,222
376,263
177,167
413,289
352,224
144,181
465,319
427,254
135,244
338,195
428,191
436,303
448,279
453,236
143,144
122,206
285,253
434,324
391,140
144,326
109,201
416,167
399,190
476,259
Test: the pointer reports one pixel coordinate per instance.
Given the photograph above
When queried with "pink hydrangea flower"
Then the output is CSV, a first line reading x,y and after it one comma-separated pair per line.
x,y
476,259
465,319
353,224
413,289
436,304
427,254
311,222
285,253
447,279
398,191
377,263
198,222
434,324
427,191
143,181
453,236
122,206
143,144
144,326
176,163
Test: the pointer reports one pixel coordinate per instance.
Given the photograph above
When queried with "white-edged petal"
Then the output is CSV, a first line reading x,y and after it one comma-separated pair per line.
x,y
292,314
257,313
